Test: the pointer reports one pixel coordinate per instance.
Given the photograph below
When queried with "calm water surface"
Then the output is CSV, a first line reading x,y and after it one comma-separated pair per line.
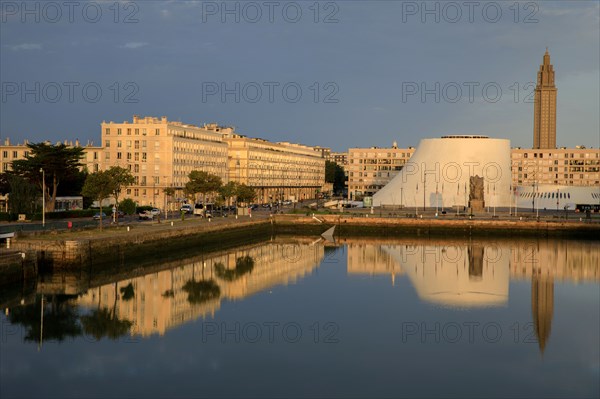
x,y
306,317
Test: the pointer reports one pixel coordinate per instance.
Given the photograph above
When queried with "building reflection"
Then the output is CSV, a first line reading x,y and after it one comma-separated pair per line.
x,y
163,300
477,273
457,275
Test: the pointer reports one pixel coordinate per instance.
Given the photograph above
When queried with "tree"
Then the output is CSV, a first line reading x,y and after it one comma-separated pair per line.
x,y
243,265
99,186
334,173
203,182
201,291
120,178
228,190
128,206
169,192
23,195
59,163
245,193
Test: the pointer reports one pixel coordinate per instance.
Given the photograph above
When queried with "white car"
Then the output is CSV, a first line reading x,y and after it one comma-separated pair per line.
x,y
155,211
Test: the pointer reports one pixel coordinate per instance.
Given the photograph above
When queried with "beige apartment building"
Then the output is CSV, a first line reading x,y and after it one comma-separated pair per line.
x,y
161,153
369,169
11,152
578,166
277,171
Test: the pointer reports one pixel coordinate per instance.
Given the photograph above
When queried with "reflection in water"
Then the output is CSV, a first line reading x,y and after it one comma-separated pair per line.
x,y
476,274
542,306
455,274
195,288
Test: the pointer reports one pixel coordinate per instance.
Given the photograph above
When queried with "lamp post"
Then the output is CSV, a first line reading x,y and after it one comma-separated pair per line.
x,y
43,197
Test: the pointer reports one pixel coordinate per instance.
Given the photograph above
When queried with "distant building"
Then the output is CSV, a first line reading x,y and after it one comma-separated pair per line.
x,y
277,171
370,169
10,152
340,158
544,112
578,166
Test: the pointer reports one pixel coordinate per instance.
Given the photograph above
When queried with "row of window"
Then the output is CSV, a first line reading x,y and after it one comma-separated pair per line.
x,y
129,130
15,154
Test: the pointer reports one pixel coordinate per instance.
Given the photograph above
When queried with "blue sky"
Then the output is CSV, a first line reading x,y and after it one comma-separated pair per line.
x,y
340,74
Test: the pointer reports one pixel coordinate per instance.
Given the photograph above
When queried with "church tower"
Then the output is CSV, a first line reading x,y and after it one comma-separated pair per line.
x,y
544,112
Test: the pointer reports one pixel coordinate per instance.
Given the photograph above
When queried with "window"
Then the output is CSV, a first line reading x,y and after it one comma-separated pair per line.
x,y
15,155
136,192
107,143
118,155
129,134
137,144
144,157
107,155
157,132
143,180
118,132
119,144
107,131
5,154
137,132
129,156
136,168
137,156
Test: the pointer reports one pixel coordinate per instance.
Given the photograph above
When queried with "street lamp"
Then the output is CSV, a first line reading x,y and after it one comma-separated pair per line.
x,y
43,197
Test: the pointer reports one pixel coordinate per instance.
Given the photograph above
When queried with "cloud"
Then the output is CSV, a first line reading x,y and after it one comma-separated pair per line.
x,y
26,46
133,45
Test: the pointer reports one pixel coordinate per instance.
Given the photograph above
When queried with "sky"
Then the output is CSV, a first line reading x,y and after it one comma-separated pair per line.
x,y
338,74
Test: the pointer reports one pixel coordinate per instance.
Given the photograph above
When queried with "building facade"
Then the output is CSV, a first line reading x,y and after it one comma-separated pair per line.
x,y
10,152
161,154
370,169
544,114
578,166
277,171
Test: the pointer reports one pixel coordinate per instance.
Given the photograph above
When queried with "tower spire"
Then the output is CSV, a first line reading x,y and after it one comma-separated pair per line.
x,y
544,118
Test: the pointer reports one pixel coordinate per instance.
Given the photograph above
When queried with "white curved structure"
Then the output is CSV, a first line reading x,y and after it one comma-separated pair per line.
x,y
438,173
456,276
556,197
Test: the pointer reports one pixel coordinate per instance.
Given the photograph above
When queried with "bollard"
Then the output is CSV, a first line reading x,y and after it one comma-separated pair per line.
x,y
69,225
171,223
127,228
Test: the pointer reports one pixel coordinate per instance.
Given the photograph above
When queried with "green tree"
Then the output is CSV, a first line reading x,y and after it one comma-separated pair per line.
x,y
228,191
245,193
334,173
120,178
203,182
99,186
59,163
22,196
128,206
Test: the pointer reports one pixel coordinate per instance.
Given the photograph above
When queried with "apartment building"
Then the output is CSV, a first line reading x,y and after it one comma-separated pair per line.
x,y
161,153
10,152
369,169
579,166
277,171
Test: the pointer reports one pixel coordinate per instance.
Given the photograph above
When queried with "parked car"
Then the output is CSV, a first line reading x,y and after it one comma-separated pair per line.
x,y
97,216
287,202
146,215
253,206
155,211
187,208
